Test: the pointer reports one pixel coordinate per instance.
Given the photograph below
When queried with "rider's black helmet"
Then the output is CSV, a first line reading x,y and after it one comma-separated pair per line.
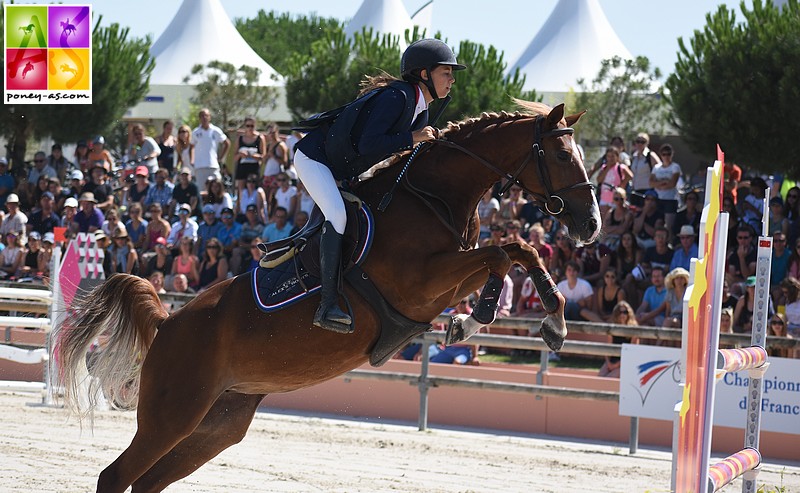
x,y
426,54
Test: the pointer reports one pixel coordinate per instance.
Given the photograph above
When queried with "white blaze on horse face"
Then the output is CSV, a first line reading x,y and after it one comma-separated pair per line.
x,y
576,151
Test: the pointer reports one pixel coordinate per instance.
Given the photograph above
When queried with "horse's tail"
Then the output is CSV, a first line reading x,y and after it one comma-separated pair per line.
x,y
119,320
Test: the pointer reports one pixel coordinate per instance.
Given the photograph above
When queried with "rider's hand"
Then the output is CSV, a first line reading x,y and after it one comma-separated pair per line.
x,y
424,134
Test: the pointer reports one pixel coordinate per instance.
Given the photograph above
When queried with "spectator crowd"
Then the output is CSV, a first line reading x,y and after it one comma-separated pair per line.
x,y
168,209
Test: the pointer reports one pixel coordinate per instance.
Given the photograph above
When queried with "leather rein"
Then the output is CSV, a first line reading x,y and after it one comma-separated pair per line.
x,y
553,197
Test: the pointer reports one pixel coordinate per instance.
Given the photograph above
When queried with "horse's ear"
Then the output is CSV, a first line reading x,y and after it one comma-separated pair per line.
x,y
573,119
555,116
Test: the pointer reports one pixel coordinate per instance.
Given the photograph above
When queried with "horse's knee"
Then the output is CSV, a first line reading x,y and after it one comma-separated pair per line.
x,y
497,260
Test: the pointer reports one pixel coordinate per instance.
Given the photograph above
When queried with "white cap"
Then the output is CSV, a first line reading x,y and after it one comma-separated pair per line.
x,y
71,202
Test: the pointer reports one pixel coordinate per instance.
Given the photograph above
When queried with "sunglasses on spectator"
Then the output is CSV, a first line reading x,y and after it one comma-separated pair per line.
x,y
623,312
617,199
776,322
742,237
640,141
38,160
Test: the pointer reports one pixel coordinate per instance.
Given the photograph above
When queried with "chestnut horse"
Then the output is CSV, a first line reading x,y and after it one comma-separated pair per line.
x,y
199,374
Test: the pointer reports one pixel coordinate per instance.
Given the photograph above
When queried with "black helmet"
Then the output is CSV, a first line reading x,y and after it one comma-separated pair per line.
x,y
426,54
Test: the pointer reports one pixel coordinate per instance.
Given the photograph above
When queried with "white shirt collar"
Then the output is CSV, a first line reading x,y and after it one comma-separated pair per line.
x,y
422,105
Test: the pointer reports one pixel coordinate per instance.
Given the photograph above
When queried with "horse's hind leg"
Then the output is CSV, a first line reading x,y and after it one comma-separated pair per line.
x,y
225,424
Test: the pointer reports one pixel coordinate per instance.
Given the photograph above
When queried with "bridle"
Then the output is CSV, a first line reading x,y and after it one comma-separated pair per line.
x,y
552,203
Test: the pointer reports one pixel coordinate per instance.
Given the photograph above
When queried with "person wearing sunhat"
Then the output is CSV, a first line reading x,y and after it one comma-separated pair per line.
x,y
99,187
7,183
688,248
124,258
15,220
676,282
102,241
89,219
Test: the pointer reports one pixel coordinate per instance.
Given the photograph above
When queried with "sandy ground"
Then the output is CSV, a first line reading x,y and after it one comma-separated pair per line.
x,y
43,451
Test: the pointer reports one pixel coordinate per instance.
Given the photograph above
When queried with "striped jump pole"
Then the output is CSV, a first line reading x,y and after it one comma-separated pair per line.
x,y
732,360
724,472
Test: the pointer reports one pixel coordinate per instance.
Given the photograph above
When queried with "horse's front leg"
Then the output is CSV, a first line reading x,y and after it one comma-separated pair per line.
x,y
554,327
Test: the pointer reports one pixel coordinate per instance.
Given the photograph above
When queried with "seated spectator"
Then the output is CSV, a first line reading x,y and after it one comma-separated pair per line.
x,y
687,249
284,195
186,192
743,313
578,294
30,262
777,328
124,258
184,227
111,222
617,220
628,255
513,229
138,191
688,215
675,282
16,220
180,285
186,263
726,321
45,254
217,197
255,255
495,236
89,219
300,221
99,188
251,228
562,253
647,220
777,221
529,304
102,241
13,254
7,183
659,254
44,219
791,293
651,310
40,168
511,205
594,259
279,228
68,218
487,212
157,280
780,263
621,314
160,192
208,229
609,294
137,226
214,267
229,233
551,229
160,260
158,227
742,257
753,204
536,240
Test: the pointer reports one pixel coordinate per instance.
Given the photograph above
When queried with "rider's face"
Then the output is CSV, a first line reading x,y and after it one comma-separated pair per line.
x,y
443,79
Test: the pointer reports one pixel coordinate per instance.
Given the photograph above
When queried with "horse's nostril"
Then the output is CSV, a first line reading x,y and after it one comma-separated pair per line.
x,y
589,227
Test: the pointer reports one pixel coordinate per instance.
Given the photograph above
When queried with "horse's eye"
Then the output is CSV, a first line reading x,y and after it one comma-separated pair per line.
x,y
564,155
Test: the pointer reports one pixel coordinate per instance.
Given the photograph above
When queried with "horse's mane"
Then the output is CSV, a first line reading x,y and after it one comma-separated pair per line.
x,y
464,129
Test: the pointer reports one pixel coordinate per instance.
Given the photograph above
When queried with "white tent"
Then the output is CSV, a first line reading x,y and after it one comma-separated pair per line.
x,y
200,32
573,41
388,17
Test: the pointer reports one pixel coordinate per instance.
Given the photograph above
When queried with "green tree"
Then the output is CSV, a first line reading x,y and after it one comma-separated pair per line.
x,y
276,37
330,75
121,67
736,84
229,92
620,100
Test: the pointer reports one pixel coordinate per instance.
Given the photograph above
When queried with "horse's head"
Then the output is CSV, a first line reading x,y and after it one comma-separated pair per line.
x,y
554,174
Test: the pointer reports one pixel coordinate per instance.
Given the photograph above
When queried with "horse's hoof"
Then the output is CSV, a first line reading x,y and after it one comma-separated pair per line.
x,y
455,331
551,336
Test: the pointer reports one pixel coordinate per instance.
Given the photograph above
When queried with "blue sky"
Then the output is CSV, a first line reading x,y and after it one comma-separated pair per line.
x,y
649,28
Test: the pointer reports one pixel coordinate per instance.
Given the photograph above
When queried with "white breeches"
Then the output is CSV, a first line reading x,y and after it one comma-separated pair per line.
x,y
321,185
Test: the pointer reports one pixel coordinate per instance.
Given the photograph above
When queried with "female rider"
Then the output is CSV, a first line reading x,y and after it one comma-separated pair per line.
x,y
427,68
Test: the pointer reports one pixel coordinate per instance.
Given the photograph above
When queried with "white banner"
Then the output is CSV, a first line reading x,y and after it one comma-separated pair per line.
x,y
649,388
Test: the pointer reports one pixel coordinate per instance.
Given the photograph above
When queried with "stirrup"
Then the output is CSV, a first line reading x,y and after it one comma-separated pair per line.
x,y
335,322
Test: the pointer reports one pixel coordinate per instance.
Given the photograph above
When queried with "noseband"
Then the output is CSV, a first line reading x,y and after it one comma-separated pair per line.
x,y
552,202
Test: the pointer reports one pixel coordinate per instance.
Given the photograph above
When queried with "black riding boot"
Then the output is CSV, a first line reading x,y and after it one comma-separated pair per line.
x,y
329,316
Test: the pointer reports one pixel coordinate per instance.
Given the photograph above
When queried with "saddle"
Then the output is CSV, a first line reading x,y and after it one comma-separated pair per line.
x,y
289,272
